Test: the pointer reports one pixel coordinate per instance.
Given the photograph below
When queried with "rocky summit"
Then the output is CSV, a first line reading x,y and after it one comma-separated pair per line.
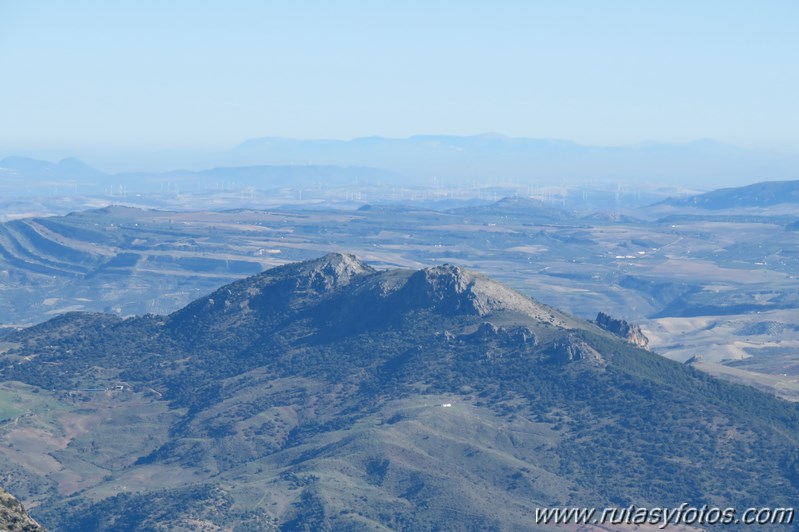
x,y
328,395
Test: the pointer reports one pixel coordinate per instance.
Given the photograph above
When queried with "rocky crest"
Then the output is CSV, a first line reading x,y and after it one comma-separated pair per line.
x,y
623,329
453,289
13,516
331,271
289,284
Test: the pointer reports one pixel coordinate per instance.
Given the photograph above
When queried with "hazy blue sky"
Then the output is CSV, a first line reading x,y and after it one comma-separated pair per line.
x,y
173,74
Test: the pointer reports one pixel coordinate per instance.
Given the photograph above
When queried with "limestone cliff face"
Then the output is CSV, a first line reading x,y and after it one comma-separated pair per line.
x,y
630,332
13,516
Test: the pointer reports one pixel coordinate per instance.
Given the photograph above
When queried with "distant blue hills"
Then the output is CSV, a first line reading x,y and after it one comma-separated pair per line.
x,y
439,159
764,194
26,176
455,159
28,168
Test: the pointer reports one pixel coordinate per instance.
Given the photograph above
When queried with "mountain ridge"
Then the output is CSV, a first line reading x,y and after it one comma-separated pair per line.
x,y
311,395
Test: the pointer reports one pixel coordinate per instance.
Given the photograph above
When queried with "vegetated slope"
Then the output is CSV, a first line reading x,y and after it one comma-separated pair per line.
x,y
764,194
313,396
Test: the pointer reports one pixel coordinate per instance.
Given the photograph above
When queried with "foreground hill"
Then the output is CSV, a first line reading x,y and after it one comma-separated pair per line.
x,y
329,395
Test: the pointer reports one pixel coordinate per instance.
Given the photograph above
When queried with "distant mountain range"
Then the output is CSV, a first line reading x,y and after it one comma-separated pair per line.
x,y
25,176
766,194
26,167
461,160
328,395
455,159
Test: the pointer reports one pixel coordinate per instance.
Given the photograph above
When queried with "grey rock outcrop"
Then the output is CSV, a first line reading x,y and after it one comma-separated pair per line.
x,y
623,329
13,516
571,349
